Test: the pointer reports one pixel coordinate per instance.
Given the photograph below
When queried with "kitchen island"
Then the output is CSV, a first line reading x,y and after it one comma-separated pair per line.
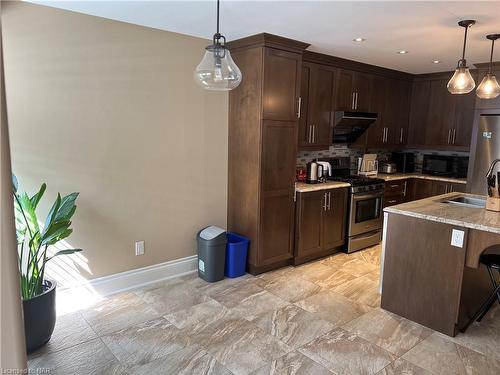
x,y
430,260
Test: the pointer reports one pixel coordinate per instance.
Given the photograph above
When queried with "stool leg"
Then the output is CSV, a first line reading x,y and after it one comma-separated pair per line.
x,y
493,280
484,307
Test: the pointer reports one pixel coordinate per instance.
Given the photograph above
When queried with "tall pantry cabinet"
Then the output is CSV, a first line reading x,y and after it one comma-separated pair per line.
x,y
264,113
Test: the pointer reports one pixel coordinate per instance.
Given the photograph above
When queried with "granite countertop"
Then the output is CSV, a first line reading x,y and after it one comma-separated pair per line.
x,y
435,209
302,187
402,176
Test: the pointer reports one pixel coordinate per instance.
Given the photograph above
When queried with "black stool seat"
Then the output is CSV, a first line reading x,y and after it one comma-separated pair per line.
x,y
491,260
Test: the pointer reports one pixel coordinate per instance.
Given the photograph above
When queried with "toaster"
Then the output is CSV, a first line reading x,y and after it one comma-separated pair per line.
x,y
385,167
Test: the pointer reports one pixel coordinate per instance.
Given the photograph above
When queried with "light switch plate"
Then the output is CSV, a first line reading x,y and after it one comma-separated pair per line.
x,y
139,248
457,238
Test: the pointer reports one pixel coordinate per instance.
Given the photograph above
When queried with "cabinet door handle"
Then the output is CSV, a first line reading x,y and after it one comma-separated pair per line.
x,y
329,200
314,133
401,135
299,107
352,100
453,136
310,133
451,188
324,201
392,201
449,135
355,100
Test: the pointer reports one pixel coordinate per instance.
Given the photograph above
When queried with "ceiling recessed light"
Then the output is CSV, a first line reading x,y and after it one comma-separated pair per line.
x,y
358,39
436,61
403,52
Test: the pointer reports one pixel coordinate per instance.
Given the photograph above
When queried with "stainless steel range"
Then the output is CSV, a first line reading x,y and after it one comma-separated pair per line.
x,y
365,217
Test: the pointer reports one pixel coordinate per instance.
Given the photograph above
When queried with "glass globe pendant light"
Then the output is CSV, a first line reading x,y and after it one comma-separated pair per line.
x,y
217,70
489,88
462,81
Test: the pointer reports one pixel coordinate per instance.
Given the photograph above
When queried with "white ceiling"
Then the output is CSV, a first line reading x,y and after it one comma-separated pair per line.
x,y
427,29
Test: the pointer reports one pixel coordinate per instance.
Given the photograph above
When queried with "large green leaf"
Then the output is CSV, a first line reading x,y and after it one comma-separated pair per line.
x,y
67,208
52,213
64,252
35,199
54,231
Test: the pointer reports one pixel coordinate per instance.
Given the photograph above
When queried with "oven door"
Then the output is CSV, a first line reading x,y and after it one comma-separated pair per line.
x,y
365,212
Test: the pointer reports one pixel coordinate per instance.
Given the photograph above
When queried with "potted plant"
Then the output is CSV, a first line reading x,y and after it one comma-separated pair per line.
x,y
33,239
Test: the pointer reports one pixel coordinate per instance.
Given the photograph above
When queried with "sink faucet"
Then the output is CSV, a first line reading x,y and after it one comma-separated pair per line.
x,y
490,169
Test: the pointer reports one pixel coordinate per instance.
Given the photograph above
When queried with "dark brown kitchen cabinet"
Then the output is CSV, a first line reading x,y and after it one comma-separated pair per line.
x,y
316,115
421,188
396,112
439,119
353,91
441,114
419,107
320,223
375,135
262,147
281,85
395,192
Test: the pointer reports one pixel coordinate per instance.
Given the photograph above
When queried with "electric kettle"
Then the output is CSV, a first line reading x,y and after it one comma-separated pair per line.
x,y
314,172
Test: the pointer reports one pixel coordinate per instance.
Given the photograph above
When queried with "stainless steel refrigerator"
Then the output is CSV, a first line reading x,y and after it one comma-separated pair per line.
x,y
485,147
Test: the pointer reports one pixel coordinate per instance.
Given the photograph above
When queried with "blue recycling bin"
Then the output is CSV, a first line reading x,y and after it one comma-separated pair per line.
x,y
236,255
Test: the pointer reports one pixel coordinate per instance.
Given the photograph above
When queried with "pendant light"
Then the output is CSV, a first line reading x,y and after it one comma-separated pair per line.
x,y
217,70
489,88
462,81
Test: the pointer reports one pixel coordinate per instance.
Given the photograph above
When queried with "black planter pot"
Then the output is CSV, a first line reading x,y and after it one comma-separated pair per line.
x,y
40,317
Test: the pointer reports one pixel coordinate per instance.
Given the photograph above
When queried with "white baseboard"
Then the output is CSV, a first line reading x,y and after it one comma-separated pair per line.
x,y
123,281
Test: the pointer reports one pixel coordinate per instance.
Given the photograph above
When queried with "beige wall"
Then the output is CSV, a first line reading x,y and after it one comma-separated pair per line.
x,y
111,110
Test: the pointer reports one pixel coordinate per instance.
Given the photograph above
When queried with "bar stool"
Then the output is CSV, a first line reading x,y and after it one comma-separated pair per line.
x,y
491,260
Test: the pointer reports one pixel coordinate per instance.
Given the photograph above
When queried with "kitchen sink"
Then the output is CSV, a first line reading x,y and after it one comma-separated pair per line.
x,y
468,202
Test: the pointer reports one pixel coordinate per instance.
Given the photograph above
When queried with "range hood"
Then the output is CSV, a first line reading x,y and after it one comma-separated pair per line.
x,y
349,126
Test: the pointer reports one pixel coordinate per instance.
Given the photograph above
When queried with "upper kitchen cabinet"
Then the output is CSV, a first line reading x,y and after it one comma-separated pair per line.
x,y
396,112
438,119
353,91
316,112
281,96
391,101
262,147
419,107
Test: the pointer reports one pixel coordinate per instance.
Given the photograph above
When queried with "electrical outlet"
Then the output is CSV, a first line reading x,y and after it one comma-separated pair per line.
x,y
139,248
457,238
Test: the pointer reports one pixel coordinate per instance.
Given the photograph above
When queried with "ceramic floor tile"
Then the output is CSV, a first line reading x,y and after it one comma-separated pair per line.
x,y
240,345
326,277
118,312
173,297
389,331
188,361
294,363
346,353
293,325
362,289
71,329
402,367
481,337
248,300
442,356
333,307
372,255
291,289
201,314
351,265
145,342
91,357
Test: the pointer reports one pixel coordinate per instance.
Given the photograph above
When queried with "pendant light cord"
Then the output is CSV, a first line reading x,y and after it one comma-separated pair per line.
x,y
465,42
217,17
491,55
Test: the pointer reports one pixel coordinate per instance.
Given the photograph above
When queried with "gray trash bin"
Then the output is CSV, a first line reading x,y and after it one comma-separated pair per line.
x,y
211,253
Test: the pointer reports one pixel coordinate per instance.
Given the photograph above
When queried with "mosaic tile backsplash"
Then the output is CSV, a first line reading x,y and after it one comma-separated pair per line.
x,y
341,150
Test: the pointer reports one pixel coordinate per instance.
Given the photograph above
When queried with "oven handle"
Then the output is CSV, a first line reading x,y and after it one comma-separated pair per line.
x,y
370,195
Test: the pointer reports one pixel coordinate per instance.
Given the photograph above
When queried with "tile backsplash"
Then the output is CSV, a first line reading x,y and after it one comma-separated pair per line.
x,y
303,157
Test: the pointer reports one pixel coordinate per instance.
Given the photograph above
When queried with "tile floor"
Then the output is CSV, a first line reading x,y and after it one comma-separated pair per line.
x,y
319,318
